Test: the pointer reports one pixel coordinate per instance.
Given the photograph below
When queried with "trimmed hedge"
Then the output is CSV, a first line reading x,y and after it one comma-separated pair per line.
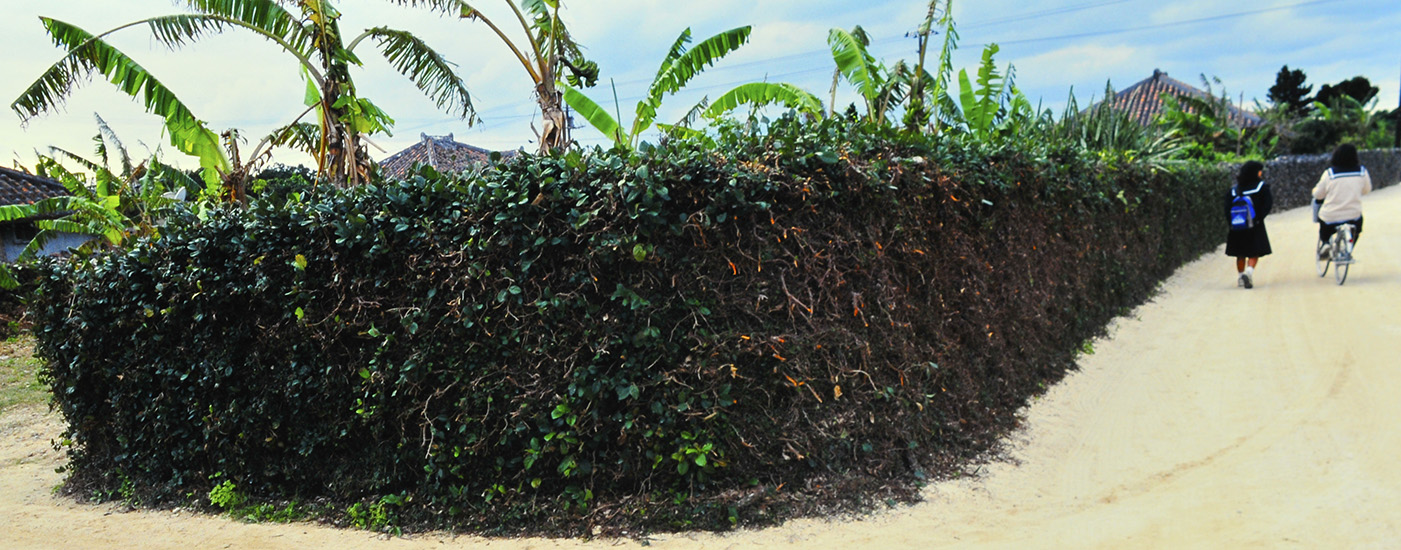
x,y
690,336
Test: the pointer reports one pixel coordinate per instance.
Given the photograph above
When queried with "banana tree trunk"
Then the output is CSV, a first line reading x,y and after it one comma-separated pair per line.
x,y
235,179
555,133
344,159
333,139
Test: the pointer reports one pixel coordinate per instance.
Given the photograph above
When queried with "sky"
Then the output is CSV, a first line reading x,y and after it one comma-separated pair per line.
x,y
1055,47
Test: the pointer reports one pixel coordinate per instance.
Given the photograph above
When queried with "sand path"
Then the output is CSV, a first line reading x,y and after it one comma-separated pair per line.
x,y
1212,417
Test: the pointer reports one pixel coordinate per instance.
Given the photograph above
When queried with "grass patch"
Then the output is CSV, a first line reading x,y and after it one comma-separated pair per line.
x,y
19,373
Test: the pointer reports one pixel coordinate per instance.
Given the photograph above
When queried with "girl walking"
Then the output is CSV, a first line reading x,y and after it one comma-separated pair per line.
x,y
1249,241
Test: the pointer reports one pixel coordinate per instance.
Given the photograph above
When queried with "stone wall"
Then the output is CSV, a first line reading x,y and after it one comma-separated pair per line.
x,y
1293,177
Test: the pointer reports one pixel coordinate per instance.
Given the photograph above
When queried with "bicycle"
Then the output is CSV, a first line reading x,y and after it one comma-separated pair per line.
x,y
1337,251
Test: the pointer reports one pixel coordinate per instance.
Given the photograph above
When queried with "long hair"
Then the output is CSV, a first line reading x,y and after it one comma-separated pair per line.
x,y
1249,174
1345,159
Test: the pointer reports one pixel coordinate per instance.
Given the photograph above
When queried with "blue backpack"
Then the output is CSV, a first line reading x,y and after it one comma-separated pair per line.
x,y
1242,211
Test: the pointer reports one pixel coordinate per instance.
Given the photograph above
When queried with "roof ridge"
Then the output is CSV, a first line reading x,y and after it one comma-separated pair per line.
x,y
1142,101
443,153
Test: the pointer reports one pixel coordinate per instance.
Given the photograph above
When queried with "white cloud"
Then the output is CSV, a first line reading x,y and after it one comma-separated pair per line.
x,y
1080,63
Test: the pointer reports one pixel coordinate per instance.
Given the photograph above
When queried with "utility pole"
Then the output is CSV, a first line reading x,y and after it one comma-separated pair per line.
x,y
1396,120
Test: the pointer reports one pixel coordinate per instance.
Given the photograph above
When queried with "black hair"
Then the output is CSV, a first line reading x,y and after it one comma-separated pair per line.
x,y
1249,173
1345,159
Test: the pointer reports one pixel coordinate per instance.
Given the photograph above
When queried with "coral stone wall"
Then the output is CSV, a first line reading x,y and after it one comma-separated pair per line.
x,y
1292,177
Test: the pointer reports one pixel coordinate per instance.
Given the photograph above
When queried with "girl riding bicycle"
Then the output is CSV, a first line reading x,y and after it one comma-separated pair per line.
x,y
1340,189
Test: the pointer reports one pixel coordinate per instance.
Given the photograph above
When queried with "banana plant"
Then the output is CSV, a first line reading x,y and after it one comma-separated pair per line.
x,y
857,66
681,64
113,210
882,89
929,99
313,37
992,108
980,105
547,53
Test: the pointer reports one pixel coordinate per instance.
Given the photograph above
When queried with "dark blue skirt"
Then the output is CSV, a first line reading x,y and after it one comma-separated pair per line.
x,y
1249,243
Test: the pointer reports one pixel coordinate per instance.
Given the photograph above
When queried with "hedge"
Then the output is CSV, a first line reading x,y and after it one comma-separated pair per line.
x,y
695,335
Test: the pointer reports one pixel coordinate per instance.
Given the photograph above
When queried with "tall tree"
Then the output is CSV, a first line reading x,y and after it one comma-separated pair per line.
x,y
1357,87
547,53
1290,92
313,37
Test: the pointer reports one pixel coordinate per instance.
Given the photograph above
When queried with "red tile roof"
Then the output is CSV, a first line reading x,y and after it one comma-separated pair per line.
x,y
440,152
1144,100
21,188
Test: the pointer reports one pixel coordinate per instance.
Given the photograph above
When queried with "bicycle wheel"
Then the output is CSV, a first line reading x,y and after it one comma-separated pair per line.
x,y
1342,253
1322,260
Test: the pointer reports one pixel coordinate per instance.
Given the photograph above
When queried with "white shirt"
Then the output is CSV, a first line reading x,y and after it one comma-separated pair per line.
x,y
1341,193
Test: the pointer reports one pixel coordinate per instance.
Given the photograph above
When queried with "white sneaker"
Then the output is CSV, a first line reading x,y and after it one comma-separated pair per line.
x,y
1241,281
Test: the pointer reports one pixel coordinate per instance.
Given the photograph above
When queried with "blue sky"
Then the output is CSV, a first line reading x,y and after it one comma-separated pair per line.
x,y
240,81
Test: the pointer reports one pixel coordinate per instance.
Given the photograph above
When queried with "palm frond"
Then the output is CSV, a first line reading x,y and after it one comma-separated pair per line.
x,y
988,94
944,72
160,178
539,8
110,136
36,245
689,119
7,278
647,108
69,226
854,62
93,167
266,16
967,100
682,132
50,207
181,29
893,88
300,136
49,167
765,93
695,59
435,76
456,8
88,54
677,49
13,212
681,65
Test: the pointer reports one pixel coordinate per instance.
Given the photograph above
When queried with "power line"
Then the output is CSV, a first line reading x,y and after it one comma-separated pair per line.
x,y
1043,13
1164,25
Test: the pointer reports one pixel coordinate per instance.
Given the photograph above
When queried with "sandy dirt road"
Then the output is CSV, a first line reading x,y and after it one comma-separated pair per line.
x,y
1213,417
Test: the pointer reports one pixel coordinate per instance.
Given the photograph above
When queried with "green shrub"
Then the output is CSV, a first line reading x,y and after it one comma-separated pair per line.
x,y
686,336
226,497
